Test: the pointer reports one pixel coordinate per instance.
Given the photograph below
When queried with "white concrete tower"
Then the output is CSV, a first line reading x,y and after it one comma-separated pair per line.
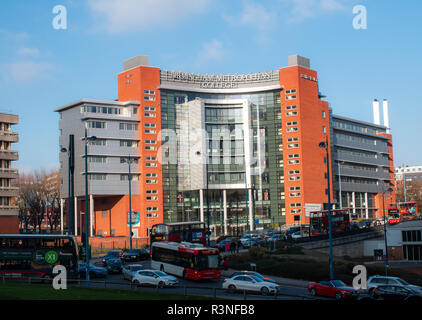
x,y
376,111
385,114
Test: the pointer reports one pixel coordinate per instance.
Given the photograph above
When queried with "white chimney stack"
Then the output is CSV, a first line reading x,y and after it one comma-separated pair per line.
x,y
385,113
376,110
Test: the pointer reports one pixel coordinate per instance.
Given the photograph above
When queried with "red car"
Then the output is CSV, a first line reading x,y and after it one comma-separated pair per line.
x,y
334,288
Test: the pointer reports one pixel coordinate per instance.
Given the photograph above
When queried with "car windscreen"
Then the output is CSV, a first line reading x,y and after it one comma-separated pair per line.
x,y
209,261
161,274
338,283
402,282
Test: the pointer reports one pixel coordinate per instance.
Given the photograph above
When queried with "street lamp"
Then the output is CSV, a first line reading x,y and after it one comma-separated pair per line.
x,y
208,205
339,184
326,147
71,168
404,181
385,227
129,161
86,204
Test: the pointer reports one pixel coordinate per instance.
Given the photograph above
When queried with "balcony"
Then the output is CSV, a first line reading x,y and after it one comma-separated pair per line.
x,y
9,173
9,191
9,136
9,155
9,210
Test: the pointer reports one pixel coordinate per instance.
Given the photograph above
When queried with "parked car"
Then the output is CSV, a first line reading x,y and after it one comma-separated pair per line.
x,y
154,278
135,255
290,231
354,226
250,283
114,254
375,281
396,293
251,242
94,272
275,237
114,266
129,271
334,288
254,274
296,235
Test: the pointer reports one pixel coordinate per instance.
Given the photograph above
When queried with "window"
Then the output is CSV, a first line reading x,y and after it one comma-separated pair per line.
x,y
148,141
128,126
295,178
97,159
295,194
294,161
324,130
150,164
295,205
290,97
129,143
149,92
149,209
292,123
149,98
149,108
292,156
151,181
149,125
150,158
150,148
97,142
294,188
323,114
133,177
290,91
291,107
152,191
291,113
294,171
293,211
124,160
97,176
149,115
149,175
293,145
96,124
292,139
150,131
292,129
151,198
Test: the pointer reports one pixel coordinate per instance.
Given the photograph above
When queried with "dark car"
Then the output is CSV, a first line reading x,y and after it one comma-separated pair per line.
x,y
114,266
114,254
290,231
254,274
136,255
94,272
396,293
222,244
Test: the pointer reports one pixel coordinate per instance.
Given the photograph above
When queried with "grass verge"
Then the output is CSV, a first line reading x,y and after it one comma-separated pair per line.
x,y
14,291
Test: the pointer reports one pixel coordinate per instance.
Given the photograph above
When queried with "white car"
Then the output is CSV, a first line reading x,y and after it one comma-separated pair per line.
x,y
297,235
250,283
154,278
376,281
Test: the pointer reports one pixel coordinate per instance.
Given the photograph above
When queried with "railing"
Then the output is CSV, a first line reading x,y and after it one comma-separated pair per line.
x,y
208,291
8,170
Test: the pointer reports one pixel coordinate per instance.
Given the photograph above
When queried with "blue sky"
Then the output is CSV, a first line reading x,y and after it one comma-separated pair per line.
x,y
42,68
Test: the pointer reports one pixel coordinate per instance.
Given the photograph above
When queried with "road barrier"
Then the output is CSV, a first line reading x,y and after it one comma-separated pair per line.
x,y
208,291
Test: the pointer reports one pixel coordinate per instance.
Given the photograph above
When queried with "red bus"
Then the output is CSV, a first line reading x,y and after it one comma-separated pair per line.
x,y
340,221
402,211
187,260
193,232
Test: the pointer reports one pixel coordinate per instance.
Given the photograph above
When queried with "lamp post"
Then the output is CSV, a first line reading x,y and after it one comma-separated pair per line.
x,y
208,205
339,184
86,205
385,228
71,168
326,147
129,160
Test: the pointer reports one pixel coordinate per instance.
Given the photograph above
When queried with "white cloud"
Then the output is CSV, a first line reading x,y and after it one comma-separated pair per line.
x,y
14,36
33,52
25,71
211,51
300,10
133,15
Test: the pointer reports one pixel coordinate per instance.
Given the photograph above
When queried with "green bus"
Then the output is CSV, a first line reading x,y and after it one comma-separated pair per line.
x,y
28,255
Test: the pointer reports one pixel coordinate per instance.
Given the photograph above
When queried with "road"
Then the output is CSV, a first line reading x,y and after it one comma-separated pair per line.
x,y
203,288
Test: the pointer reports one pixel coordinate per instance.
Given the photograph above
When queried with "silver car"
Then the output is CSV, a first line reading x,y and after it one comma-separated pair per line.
x,y
130,270
250,283
376,281
154,278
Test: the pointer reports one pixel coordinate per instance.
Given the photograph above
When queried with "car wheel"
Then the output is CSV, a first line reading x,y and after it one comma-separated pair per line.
x,y
161,284
313,292
232,288
137,283
338,295
162,268
265,291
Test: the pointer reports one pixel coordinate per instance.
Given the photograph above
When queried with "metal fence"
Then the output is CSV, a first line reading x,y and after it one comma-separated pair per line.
x,y
187,290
